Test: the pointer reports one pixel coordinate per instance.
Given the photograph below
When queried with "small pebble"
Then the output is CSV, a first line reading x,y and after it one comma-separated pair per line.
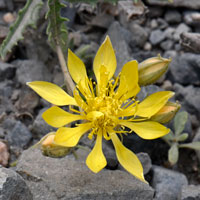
x,y
9,18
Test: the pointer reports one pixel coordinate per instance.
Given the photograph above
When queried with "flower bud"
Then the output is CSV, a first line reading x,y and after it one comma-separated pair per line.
x,y
152,69
53,150
166,113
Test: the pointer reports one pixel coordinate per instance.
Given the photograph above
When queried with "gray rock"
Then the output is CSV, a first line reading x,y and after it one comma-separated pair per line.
x,y
139,34
156,37
180,29
192,4
173,16
189,98
155,11
197,139
146,161
190,192
167,183
192,18
67,178
20,136
7,71
185,68
12,186
120,45
2,5
162,24
169,32
40,127
167,45
153,24
31,70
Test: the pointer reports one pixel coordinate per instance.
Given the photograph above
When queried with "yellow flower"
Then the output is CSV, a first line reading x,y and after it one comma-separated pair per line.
x,y
105,111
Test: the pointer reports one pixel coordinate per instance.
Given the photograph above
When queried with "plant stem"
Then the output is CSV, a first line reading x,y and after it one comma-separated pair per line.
x,y
67,78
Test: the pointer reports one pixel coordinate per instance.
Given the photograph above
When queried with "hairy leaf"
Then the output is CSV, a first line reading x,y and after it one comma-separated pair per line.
x,y
26,17
173,154
193,145
56,30
182,137
180,121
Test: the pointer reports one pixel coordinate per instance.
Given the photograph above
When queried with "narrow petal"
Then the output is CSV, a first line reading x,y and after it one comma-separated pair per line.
x,y
127,158
57,117
76,67
147,130
69,137
105,56
96,160
52,93
129,80
153,103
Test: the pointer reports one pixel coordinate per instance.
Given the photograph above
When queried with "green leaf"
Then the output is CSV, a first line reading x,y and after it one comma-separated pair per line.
x,y
182,137
193,145
169,137
173,154
180,121
27,16
56,30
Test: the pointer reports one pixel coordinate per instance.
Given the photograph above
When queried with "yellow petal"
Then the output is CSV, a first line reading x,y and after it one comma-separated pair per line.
x,y
96,160
148,129
129,80
52,93
127,158
105,56
57,117
153,103
76,67
69,137
79,100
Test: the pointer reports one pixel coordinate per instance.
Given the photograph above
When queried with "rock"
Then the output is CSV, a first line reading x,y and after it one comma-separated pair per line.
x,y
147,46
139,35
7,71
192,18
189,98
20,136
167,45
172,16
2,5
67,178
197,139
184,69
180,29
4,154
120,45
162,24
156,37
12,186
40,127
155,11
167,85
169,32
192,4
102,20
153,24
146,161
190,192
167,183
31,70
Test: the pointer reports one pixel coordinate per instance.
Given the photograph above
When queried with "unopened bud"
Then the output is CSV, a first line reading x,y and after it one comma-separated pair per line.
x,y
50,149
166,113
152,69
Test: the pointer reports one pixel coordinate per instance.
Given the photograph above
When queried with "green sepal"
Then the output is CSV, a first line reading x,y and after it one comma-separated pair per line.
x,y
180,121
27,16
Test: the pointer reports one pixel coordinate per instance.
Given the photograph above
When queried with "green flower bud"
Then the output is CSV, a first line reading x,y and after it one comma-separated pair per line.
x,y
152,69
166,113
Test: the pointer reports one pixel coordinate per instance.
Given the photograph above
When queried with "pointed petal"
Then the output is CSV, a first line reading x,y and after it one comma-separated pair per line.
x,y
57,117
129,80
105,56
153,103
148,129
76,67
127,158
96,160
52,93
69,137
